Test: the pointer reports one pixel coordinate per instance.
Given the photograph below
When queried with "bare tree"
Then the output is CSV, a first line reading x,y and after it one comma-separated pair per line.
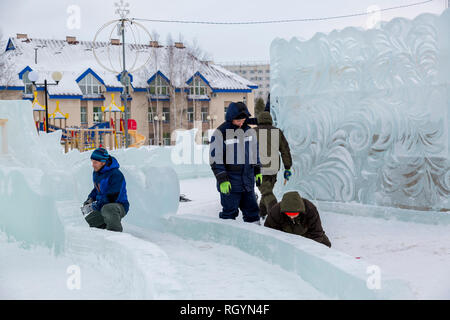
x,y
7,67
178,65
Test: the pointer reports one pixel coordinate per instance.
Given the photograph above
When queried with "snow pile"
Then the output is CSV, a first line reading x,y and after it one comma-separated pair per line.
x,y
366,113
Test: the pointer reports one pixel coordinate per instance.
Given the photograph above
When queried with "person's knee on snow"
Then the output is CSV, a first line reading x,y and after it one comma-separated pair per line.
x,y
112,213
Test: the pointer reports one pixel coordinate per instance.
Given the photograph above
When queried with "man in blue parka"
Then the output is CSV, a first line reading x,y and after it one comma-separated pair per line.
x,y
235,163
109,196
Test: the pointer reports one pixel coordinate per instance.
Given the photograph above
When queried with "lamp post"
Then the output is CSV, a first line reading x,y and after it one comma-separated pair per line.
x,y
156,118
211,120
33,76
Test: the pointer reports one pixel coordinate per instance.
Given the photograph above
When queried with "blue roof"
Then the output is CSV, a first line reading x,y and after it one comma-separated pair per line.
x,y
158,73
90,71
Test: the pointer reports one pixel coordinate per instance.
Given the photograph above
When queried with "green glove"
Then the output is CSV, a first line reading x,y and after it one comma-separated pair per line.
x,y
258,178
287,174
225,187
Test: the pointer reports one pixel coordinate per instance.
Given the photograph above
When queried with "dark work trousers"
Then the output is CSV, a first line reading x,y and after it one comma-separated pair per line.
x,y
246,201
108,217
268,199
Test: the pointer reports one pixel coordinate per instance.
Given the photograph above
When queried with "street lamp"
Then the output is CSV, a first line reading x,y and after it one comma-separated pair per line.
x,y
211,120
33,76
156,118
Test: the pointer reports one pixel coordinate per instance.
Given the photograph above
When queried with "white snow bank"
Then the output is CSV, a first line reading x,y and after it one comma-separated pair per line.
x,y
332,272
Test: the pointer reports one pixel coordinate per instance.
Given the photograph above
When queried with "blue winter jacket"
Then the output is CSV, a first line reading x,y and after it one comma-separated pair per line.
x,y
239,170
109,186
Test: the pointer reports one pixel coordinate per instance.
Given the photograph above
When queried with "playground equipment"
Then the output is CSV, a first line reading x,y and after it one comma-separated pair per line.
x,y
57,115
139,139
113,109
108,134
39,109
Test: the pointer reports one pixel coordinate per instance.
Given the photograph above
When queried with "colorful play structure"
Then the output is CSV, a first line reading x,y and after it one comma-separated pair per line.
x,y
108,134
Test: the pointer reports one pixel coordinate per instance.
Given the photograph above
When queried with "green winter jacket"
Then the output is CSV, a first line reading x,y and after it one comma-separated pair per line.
x,y
265,144
307,224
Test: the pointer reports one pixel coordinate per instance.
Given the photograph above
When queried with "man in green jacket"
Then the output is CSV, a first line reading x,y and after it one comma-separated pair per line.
x,y
297,216
270,150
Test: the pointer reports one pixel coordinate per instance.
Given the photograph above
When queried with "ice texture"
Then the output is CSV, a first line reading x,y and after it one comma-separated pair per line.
x,y
335,274
42,189
367,113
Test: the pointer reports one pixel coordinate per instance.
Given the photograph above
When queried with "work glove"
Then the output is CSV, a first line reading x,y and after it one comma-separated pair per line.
x,y
258,179
88,201
88,208
225,187
287,174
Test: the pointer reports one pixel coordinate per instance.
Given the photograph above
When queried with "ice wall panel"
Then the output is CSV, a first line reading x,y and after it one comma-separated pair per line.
x,y
366,112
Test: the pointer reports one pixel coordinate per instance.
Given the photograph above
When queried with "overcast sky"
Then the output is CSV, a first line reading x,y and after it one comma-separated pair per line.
x,y
55,19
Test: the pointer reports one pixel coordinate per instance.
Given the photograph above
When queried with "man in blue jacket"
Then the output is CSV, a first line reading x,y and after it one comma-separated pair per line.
x,y
109,196
235,163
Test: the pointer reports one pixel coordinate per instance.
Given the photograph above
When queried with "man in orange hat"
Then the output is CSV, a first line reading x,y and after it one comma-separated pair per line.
x,y
298,216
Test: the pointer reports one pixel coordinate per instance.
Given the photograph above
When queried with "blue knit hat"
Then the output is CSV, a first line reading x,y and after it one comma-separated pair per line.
x,y
100,154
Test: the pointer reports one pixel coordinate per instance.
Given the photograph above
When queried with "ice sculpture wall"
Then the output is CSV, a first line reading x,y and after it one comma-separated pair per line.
x,y
367,112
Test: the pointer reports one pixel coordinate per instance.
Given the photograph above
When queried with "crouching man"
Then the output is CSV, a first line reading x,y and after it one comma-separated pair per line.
x,y
298,216
108,199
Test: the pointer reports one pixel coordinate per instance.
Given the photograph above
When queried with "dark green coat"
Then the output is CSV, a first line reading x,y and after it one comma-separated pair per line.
x,y
265,122
307,224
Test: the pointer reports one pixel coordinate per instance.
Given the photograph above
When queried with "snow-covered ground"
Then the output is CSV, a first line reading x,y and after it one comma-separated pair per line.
x,y
414,252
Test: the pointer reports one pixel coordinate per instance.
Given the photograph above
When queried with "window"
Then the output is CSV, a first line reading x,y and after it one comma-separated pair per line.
x,y
190,114
166,114
252,71
225,112
98,115
267,71
204,114
244,72
151,138
90,85
83,115
28,85
151,114
159,86
197,87
166,138
260,71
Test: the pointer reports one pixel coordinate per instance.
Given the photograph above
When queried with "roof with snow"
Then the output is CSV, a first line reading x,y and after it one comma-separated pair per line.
x,y
76,60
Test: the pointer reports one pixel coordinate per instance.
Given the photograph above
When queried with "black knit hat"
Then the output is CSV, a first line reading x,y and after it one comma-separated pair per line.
x,y
100,154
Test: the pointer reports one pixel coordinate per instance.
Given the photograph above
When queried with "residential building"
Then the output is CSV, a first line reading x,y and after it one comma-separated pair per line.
x,y
257,72
173,90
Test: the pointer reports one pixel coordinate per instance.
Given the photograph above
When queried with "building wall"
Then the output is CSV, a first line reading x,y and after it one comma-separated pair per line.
x,y
257,73
139,105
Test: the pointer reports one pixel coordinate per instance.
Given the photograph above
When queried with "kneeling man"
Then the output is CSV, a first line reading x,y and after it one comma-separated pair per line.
x,y
298,216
